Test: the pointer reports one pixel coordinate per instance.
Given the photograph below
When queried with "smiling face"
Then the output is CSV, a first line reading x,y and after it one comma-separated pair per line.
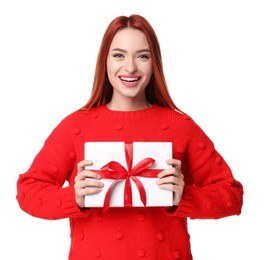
x,y
129,69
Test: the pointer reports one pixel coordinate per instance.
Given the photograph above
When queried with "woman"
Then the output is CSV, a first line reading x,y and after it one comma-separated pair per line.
x,y
129,102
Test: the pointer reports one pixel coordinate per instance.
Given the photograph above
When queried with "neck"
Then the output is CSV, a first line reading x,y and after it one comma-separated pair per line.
x,y
129,105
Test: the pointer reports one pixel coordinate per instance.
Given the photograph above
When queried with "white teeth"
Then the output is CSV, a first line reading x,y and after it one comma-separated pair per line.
x,y
130,79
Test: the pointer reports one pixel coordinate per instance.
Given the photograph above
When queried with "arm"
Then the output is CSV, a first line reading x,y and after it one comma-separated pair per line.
x,y
40,190
210,190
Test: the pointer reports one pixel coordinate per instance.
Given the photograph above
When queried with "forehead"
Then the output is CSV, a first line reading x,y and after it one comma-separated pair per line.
x,y
129,37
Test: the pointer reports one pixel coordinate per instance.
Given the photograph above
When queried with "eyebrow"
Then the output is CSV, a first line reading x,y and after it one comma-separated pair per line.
x,y
124,51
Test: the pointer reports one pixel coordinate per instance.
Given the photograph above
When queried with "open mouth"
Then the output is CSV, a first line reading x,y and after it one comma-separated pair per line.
x,y
129,81
125,79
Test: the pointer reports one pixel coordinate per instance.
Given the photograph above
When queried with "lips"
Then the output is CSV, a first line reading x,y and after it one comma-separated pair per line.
x,y
129,81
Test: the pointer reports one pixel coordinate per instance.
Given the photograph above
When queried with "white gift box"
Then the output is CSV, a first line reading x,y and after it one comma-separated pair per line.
x,y
101,153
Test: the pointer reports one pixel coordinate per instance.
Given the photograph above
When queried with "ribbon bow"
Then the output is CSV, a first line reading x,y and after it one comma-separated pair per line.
x,y
114,170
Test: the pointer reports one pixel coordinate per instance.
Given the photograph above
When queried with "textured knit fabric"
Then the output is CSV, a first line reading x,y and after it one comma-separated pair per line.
x,y
210,192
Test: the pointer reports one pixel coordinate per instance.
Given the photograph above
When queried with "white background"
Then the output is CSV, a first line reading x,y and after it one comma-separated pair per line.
x,y
214,58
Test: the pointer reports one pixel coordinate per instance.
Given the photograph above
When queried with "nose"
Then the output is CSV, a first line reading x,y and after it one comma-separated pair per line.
x,y
130,65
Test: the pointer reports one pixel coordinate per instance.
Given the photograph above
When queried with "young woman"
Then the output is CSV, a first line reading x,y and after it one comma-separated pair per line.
x,y
129,103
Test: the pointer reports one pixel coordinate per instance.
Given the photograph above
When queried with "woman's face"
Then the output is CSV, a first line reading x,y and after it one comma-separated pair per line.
x,y
129,65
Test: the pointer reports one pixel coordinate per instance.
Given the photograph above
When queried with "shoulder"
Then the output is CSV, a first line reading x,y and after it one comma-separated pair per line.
x,y
177,116
181,122
70,124
79,116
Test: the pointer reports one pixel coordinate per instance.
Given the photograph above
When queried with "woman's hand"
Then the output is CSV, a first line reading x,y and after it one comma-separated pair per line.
x,y
172,179
85,186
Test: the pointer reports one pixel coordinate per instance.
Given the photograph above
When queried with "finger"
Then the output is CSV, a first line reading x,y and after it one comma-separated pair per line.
x,y
86,174
90,174
88,182
89,191
82,164
172,186
167,172
83,173
170,180
169,186
175,163
81,193
83,184
92,190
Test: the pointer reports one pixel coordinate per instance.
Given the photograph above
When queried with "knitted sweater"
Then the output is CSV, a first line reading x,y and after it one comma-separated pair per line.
x,y
210,191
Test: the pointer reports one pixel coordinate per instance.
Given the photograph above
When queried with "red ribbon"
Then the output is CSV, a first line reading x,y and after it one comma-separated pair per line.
x,y
114,170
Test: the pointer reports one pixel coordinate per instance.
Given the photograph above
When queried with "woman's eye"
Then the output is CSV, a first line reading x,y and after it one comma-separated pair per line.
x,y
144,56
118,55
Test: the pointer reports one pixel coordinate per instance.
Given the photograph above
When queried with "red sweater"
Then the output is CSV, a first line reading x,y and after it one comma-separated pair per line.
x,y
210,192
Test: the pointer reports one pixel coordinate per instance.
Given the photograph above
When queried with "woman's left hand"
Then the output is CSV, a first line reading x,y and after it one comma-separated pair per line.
x,y
172,179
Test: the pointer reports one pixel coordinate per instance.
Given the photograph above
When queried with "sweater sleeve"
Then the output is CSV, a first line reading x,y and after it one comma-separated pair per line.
x,y
211,191
40,190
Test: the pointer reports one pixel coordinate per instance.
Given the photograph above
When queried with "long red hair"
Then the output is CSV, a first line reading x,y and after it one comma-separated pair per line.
x,y
156,91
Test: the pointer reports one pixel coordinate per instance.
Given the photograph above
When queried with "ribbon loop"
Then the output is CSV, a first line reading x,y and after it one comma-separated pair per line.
x,y
142,165
114,170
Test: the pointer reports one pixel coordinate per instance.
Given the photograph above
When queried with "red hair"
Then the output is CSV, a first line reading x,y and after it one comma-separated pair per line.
x,y
156,91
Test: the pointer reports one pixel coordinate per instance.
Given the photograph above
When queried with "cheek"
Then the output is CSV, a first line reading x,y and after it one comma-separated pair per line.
x,y
112,67
150,69
148,73
146,68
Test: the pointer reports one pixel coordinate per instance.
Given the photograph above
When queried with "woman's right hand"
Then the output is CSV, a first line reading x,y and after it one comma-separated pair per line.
x,y
85,186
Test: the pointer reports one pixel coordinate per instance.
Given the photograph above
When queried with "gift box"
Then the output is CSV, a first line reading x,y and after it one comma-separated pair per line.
x,y
129,173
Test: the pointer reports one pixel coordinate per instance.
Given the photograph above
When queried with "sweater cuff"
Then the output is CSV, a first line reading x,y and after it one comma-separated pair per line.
x,y
187,206
68,206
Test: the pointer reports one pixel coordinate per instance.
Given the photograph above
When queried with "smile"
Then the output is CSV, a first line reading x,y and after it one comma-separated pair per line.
x,y
126,79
